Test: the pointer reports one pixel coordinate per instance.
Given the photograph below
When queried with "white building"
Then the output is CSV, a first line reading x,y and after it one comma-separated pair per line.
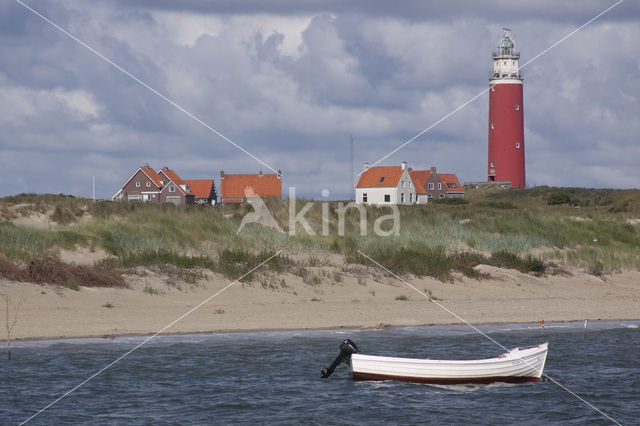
x,y
385,185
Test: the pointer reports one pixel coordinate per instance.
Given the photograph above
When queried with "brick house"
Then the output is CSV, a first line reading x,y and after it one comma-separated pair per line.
x,y
165,186
234,187
442,185
143,185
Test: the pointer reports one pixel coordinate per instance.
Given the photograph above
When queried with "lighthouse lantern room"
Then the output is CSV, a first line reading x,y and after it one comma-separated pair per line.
x,y
506,115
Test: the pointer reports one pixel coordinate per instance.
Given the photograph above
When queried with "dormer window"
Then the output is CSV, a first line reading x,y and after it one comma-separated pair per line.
x,y
381,179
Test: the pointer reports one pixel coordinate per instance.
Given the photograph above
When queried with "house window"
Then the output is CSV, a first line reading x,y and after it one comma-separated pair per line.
x,y
381,179
137,184
403,184
441,195
431,186
148,184
387,198
402,197
517,145
517,107
411,198
439,186
172,188
364,197
492,126
410,184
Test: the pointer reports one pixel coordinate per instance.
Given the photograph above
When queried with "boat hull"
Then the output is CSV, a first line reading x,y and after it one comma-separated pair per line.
x,y
516,366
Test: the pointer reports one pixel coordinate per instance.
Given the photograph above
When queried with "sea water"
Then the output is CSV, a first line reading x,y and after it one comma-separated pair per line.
x,y
274,377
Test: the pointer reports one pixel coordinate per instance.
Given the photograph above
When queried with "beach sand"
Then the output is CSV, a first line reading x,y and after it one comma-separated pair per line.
x,y
362,297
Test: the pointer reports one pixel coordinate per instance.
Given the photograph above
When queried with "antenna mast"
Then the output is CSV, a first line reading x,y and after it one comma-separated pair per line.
x,y
351,164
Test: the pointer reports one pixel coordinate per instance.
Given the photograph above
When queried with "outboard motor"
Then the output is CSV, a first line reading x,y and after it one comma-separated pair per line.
x,y
347,348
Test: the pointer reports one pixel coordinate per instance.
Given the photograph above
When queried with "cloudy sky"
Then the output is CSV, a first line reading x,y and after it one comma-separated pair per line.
x,y
290,82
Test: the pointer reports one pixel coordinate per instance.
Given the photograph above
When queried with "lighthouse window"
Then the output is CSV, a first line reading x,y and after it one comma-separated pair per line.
x,y
492,126
492,164
517,145
493,88
517,107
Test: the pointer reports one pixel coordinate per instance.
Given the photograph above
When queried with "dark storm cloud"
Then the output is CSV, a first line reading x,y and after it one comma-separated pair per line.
x,y
412,10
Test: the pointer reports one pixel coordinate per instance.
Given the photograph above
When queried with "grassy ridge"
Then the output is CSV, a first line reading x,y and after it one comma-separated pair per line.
x,y
502,227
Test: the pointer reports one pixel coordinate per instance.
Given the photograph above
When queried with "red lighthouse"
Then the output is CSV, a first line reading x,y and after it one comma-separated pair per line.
x,y
506,116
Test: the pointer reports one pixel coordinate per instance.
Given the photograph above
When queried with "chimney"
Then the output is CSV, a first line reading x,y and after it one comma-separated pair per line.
x,y
165,168
433,170
221,174
365,166
404,165
279,174
260,173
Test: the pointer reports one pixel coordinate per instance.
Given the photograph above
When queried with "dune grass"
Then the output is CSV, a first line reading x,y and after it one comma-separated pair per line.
x,y
512,228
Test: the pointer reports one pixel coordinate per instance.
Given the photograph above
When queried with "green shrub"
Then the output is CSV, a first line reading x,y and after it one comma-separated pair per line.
x,y
73,285
557,198
505,259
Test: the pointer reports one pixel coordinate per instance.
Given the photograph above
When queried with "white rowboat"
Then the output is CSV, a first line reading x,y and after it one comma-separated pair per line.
x,y
519,365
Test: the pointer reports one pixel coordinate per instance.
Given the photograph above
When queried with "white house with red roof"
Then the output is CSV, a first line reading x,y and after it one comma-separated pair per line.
x,y
402,185
385,185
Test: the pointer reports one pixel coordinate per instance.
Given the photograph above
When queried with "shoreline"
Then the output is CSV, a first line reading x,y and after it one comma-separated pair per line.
x,y
284,302
550,324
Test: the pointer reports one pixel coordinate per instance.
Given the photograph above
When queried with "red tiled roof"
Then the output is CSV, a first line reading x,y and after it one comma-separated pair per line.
x,y
171,175
267,185
152,175
420,178
380,177
200,188
451,178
